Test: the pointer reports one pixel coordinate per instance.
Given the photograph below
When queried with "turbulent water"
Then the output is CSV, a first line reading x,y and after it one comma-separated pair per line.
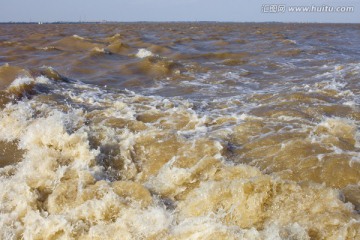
x,y
180,131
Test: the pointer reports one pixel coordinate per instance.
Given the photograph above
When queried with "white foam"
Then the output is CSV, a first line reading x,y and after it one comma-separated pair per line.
x,y
22,81
143,53
57,142
78,37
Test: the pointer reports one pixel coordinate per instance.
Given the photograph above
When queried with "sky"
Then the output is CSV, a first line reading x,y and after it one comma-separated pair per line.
x,y
176,10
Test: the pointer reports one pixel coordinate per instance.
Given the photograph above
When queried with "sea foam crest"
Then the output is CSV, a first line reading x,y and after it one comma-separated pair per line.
x,y
143,53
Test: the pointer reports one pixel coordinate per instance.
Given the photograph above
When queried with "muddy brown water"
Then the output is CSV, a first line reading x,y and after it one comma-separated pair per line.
x,y
180,131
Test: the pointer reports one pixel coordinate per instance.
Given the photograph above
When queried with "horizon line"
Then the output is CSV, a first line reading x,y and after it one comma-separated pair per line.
x,y
201,21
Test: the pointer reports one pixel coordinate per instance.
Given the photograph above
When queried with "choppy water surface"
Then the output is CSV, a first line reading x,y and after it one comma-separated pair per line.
x,y
180,131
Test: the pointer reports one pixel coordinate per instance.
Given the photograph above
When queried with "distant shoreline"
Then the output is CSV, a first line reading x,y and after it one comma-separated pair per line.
x,y
168,22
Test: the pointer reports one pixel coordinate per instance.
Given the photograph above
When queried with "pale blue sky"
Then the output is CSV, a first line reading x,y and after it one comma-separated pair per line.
x,y
169,10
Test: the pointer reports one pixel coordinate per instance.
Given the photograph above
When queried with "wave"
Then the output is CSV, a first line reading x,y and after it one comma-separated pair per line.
x,y
143,166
